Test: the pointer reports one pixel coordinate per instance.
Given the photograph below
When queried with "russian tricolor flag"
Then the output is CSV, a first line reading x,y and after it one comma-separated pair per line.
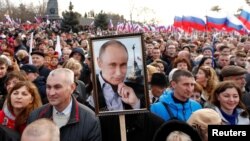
x,y
186,23
194,22
234,23
216,20
198,23
177,21
244,17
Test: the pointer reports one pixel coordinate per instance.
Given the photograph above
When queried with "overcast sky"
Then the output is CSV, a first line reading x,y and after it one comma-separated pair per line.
x,y
163,10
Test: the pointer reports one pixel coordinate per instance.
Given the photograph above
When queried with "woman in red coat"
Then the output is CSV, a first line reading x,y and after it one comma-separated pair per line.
x,y
21,101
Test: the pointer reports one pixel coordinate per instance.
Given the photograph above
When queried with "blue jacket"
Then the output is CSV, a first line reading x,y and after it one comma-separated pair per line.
x,y
180,111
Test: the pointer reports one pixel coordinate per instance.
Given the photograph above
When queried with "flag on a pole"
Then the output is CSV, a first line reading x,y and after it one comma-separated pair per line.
x,y
58,48
31,46
244,17
111,26
8,19
92,24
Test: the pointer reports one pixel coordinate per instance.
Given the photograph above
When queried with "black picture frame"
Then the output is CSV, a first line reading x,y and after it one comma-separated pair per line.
x,y
135,76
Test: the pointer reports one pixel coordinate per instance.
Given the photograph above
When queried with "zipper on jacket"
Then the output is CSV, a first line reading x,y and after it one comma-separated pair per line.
x,y
184,112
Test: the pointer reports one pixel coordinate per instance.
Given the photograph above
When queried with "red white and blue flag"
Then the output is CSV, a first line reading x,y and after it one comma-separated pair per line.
x,y
178,21
216,20
233,23
244,17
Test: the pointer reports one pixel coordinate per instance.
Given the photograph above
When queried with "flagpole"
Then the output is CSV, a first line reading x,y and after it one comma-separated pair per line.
x,y
31,46
58,48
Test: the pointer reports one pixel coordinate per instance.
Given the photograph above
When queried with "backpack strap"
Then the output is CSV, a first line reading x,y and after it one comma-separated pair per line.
x,y
168,110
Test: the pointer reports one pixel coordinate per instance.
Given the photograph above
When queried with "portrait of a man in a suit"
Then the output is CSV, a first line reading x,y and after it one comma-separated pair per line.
x,y
114,94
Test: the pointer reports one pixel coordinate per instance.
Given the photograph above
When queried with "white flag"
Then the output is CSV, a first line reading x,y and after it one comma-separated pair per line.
x,y
58,48
31,46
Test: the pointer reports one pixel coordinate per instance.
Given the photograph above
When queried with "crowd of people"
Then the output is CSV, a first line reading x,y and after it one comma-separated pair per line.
x,y
193,81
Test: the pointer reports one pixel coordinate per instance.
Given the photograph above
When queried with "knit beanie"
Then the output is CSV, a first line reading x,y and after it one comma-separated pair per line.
x,y
207,48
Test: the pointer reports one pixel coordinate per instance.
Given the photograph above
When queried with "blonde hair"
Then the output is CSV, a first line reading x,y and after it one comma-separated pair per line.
x,y
150,70
178,136
21,54
212,79
200,120
155,64
72,64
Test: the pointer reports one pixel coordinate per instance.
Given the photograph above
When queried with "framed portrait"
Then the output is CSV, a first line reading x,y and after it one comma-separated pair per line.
x,y
119,72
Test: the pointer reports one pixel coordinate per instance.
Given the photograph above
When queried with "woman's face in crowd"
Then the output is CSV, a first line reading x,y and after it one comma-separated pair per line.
x,y
51,51
161,66
54,62
11,83
208,62
77,73
3,46
196,96
21,98
3,70
182,66
201,76
77,56
8,55
229,99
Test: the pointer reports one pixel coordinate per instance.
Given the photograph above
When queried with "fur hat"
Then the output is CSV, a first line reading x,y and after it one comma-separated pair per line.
x,y
175,125
232,71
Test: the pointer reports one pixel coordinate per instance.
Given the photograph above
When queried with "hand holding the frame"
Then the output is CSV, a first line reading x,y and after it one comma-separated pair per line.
x,y
128,95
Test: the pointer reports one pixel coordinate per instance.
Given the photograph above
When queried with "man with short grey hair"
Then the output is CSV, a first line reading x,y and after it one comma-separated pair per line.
x,y
41,130
76,121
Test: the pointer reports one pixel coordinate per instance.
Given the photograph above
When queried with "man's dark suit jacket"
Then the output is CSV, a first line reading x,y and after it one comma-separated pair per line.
x,y
140,126
138,89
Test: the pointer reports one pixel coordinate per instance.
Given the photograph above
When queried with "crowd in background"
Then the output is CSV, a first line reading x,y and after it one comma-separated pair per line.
x,y
186,73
